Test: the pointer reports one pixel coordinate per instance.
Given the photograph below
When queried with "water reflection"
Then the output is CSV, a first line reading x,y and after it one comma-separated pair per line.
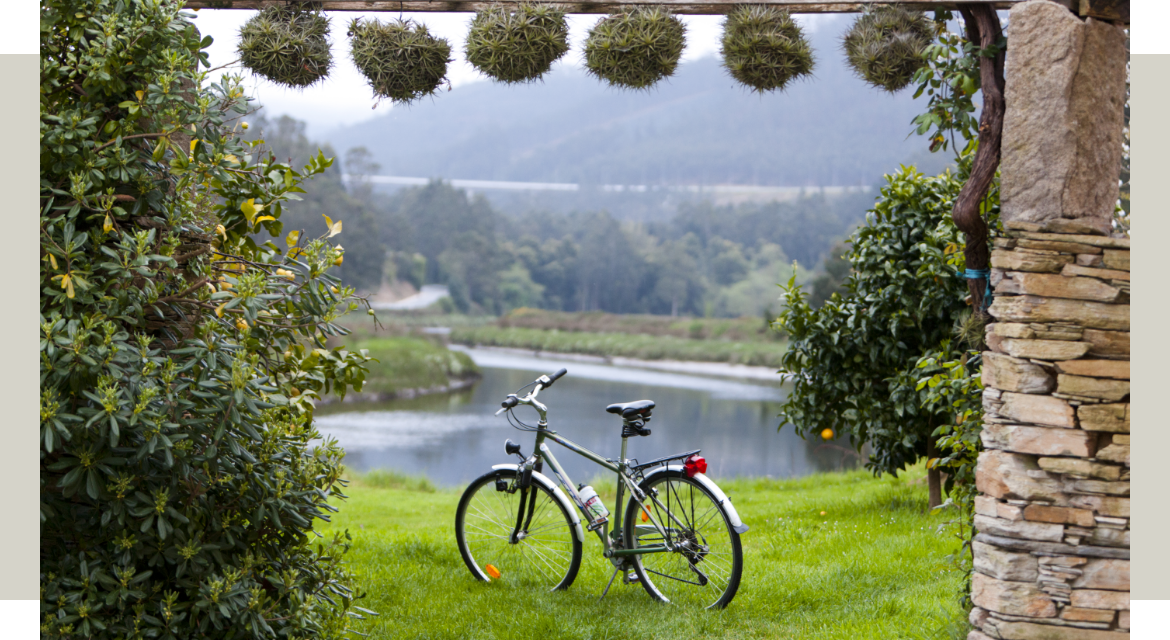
x,y
454,438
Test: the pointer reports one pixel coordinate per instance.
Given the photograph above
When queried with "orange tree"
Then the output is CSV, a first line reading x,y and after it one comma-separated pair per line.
x,y
178,358
900,301
879,362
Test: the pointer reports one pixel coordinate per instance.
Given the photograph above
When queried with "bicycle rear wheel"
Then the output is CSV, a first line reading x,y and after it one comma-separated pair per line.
x,y
545,554
706,564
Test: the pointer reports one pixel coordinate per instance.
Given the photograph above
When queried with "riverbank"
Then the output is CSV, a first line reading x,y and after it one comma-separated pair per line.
x,y
828,556
619,345
718,369
408,367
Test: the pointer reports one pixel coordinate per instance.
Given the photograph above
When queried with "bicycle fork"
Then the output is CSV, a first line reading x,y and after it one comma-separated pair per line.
x,y
524,515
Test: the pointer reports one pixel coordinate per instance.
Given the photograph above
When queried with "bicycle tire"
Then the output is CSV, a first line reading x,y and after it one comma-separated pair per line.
x,y
484,523
706,567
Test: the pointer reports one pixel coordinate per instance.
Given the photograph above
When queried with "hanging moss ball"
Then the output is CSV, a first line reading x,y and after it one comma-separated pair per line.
x,y
885,45
764,48
400,59
287,46
635,47
519,45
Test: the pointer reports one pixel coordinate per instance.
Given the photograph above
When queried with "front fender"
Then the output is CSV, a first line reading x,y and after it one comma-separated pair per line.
x,y
720,498
555,490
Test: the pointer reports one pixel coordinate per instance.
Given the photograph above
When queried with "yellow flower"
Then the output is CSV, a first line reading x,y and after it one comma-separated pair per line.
x,y
337,262
241,324
285,273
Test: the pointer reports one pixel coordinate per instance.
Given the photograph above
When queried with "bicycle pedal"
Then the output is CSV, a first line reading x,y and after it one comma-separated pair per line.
x,y
631,578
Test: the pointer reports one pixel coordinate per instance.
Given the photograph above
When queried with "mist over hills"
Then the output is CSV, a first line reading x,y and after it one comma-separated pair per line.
x,y
699,127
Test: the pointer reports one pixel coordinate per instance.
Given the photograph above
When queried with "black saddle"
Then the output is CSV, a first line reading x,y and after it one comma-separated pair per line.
x,y
631,410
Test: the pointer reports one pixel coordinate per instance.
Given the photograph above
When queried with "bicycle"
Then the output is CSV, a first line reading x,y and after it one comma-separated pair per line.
x,y
678,538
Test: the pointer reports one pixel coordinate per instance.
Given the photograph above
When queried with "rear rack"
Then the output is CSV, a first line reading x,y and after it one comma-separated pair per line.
x,y
677,456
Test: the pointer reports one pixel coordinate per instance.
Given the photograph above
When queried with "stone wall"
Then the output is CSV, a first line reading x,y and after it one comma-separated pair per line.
x,y
1052,549
1053,523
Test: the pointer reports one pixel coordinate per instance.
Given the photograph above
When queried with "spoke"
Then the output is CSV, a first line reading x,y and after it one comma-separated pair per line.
x,y
542,509
486,538
715,511
505,503
542,558
546,527
486,531
483,516
538,567
554,550
547,549
485,511
692,494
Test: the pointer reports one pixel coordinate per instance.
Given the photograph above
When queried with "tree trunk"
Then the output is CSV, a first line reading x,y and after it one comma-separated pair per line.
x,y
933,475
984,30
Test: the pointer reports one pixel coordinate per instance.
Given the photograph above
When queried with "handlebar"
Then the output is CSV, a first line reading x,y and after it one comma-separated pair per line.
x,y
543,382
554,377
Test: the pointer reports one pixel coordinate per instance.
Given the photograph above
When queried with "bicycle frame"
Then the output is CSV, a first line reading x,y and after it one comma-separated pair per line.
x,y
619,467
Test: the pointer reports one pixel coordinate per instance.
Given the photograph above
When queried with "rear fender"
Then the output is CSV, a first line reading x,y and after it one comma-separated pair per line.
x,y
720,498
555,490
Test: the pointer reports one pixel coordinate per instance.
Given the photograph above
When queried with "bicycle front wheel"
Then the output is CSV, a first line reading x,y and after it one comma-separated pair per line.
x,y
705,565
543,553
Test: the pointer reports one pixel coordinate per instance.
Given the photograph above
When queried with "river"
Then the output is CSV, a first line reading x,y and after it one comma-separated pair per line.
x,y
453,438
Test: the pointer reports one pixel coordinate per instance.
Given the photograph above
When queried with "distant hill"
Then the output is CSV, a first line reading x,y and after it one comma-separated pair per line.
x,y
699,127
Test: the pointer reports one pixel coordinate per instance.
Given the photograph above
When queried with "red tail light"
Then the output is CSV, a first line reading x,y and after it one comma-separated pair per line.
x,y
695,464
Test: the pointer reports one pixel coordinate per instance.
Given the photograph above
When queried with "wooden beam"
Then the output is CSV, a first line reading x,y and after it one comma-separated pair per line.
x,y
690,7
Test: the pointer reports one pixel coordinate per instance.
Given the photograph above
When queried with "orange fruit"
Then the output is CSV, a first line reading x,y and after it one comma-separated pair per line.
x,y
492,571
827,434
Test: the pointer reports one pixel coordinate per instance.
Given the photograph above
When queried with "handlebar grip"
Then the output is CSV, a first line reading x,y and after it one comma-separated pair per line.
x,y
510,402
554,377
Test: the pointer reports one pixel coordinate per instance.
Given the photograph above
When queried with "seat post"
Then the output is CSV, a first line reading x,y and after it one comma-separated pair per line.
x,y
622,459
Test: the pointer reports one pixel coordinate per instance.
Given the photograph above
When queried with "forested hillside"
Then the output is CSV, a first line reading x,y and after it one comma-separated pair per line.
x,y
706,260
699,127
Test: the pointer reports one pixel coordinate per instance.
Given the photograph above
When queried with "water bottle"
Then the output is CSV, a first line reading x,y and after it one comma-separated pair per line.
x,y
593,504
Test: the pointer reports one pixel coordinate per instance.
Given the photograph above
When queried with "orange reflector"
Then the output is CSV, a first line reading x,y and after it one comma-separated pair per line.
x,y
645,515
492,571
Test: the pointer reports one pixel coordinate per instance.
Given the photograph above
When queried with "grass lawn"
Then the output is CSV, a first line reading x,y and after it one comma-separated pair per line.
x,y
872,566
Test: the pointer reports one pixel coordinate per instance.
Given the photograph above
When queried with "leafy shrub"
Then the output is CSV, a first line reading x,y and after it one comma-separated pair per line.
x,y
900,302
178,357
